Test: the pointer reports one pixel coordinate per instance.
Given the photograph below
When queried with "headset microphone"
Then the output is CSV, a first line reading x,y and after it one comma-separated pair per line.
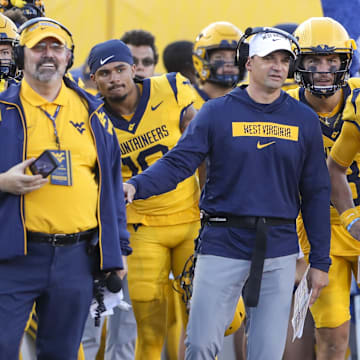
x,y
248,31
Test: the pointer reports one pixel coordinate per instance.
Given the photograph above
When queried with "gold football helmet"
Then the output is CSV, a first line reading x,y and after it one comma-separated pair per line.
x,y
218,35
238,318
8,31
323,36
186,288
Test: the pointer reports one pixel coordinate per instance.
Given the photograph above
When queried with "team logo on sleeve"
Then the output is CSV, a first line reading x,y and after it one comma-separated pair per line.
x,y
104,121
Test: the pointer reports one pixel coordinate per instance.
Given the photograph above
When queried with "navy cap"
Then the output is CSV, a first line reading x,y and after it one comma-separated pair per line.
x,y
108,52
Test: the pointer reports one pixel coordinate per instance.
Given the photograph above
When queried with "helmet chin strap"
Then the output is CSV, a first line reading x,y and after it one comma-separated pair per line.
x,y
323,96
323,91
229,81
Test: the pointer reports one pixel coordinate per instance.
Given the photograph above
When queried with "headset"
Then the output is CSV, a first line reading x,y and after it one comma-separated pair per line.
x,y
19,49
242,49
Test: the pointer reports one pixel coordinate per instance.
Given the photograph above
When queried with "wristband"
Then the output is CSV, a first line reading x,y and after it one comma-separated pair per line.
x,y
352,223
348,217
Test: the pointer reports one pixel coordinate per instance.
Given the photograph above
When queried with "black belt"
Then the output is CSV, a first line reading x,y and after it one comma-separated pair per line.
x,y
60,239
252,289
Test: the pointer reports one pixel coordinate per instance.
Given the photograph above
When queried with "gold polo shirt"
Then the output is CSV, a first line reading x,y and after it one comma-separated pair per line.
x,y
58,208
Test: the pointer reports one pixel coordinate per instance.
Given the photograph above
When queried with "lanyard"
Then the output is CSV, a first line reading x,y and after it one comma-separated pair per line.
x,y
53,118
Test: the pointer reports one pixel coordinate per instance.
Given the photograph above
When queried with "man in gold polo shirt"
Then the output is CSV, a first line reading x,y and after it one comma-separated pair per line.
x,y
47,223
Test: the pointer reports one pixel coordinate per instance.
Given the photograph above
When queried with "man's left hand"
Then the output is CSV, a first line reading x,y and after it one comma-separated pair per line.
x,y
122,273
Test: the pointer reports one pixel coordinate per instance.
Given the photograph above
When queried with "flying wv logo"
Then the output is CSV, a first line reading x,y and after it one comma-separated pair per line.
x,y
78,126
59,156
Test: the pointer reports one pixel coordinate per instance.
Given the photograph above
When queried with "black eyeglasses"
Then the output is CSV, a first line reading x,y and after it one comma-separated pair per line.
x,y
148,61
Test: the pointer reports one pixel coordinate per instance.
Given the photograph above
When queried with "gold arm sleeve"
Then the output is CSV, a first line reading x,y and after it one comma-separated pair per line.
x,y
347,145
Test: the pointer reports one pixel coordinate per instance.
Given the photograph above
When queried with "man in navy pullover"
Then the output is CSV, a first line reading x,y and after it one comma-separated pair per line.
x,y
265,164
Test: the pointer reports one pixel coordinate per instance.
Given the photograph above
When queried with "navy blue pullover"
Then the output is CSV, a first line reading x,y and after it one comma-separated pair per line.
x,y
263,160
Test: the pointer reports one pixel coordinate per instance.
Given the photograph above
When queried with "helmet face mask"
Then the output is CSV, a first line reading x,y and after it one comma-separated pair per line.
x,y
31,11
217,62
217,36
323,37
8,69
306,77
8,36
30,8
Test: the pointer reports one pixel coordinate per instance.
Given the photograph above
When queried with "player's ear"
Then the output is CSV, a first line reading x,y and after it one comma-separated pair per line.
x,y
133,70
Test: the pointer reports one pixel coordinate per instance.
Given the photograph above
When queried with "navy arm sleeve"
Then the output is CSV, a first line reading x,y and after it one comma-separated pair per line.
x,y
179,163
119,194
315,199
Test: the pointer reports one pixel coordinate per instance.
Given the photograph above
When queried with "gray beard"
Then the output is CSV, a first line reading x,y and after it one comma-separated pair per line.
x,y
47,76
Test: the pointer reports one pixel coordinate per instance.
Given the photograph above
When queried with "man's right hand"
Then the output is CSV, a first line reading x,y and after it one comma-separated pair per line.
x,y
14,181
129,192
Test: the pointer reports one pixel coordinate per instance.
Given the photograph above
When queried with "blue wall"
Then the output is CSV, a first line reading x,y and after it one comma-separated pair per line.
x,y
347,12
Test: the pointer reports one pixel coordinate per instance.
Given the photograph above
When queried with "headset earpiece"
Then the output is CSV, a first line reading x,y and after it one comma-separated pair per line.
x,y
294,64
19,56
71,59
242,53
292,68
242,50
19,49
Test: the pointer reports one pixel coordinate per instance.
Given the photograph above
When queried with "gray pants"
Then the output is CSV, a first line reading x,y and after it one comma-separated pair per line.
x,y
120,335
218,283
